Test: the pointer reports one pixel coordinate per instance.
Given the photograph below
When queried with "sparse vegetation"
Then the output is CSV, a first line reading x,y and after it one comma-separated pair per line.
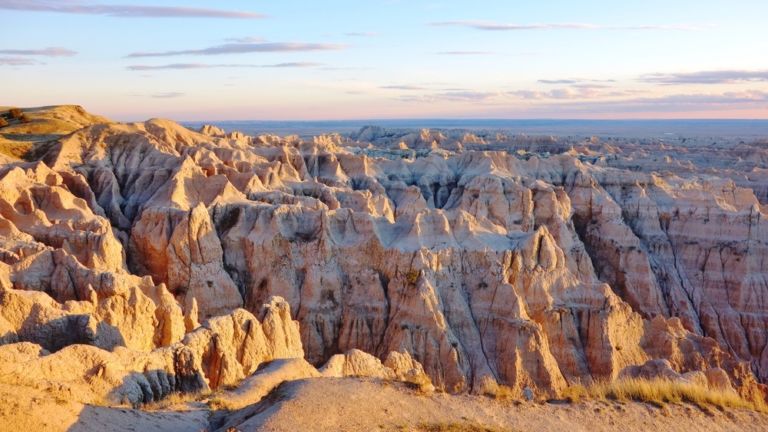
x,y
3,122
458,427
507,393
175,398
220,404
659,392
412,276
15,113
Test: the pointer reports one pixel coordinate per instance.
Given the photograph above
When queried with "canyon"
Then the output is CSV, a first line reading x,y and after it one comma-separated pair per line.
x,y
144,260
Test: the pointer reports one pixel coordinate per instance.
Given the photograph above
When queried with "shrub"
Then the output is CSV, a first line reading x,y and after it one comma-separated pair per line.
x,y
221,404
24,119
456,427
661,391
3,122
174,398
507,393
412,276
15,113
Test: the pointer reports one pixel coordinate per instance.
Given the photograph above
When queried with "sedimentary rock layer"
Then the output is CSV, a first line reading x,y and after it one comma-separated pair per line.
x,y
490,259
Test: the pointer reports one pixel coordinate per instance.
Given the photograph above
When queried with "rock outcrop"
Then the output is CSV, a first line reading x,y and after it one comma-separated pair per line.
x,y
221,352
486,259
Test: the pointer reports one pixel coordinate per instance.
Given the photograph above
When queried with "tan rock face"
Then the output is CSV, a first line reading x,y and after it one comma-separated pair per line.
x,y
486,259
398,366
221,352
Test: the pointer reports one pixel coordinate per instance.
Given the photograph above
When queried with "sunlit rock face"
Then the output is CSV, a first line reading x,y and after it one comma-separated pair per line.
x,y
489,259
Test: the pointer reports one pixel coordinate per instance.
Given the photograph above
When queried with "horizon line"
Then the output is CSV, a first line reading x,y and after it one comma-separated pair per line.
x,y
476,119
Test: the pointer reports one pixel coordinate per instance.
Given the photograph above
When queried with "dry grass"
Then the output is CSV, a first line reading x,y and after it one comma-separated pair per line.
x,y
507,393
221,404
457,427
659,392
15,149
174,399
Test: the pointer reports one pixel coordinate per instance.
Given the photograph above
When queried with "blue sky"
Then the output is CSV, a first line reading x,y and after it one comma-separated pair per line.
x,y
194,60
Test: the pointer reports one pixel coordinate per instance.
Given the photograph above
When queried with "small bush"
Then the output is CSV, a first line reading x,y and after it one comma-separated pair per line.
x,y
174,398
220,404
15,113
456,427
3,122
660,391
412,276
507,393
24,119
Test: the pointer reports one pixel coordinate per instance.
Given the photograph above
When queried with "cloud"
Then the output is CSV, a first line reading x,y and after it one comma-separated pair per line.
x,y
464,53
343,68
402,87
667,104
122,11
452,96
17,61
46,52
467,95
560,81
572,92
242,48
246,39
361,34
293,65
744,97
707,77
629,103
532,94
167,95
576,81
496,26
570,101
182,66
590,85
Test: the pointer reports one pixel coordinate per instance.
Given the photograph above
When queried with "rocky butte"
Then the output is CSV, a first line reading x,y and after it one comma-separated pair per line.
x,y
158,277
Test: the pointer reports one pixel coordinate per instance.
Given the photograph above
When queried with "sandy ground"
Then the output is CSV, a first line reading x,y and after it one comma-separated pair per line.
x,y
25,410
359,405
366,405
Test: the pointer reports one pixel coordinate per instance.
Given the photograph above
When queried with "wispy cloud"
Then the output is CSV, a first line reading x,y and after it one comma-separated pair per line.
x,y
45,52
669,103
360,34
707,77
467,95
579,82
558,81
167,95
563,93
464,53
123,11
245,40
574,101
182,66
403,87
497,26
744,97
293,65
243,48
572,92
629,98
452,96
17,61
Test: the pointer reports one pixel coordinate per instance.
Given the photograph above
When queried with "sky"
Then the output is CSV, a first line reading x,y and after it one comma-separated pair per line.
x,y
388,59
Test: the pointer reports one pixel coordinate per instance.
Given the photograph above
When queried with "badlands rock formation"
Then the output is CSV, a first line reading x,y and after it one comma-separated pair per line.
x,y
480,259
